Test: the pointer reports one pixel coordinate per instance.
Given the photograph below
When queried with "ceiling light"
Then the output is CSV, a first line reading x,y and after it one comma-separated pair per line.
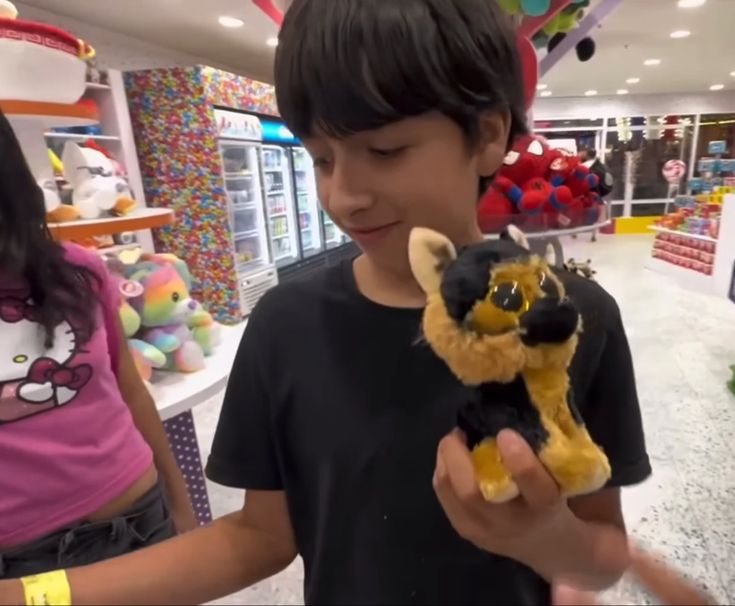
x,y
272,42
717,87
691,3
732,74
681,33
546,93
652,62
231,22
623,91
632,80
542,87
590,93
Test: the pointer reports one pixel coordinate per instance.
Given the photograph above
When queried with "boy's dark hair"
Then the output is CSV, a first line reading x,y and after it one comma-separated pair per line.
x,y
346,66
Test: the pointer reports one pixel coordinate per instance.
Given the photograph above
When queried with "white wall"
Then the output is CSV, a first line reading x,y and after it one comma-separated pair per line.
x,y
633,105
114,50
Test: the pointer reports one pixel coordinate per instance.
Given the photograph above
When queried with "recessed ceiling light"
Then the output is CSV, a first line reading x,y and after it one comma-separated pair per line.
x,y
590,93
623,91
691,3
546,93
652,62
232,22
732,74
272,42
681,33
717,87
632,80
542,86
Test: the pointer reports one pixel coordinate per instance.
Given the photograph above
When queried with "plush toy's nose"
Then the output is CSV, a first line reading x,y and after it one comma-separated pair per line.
x,y
192,304
549,320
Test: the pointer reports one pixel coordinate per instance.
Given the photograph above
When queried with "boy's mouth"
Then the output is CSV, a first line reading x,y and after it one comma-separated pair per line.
x,y
371,235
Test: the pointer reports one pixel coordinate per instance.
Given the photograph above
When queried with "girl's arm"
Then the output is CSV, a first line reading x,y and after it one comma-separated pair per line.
x,y
148,422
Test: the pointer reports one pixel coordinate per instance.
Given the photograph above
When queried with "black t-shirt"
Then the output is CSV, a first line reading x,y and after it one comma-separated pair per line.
x,y
334,399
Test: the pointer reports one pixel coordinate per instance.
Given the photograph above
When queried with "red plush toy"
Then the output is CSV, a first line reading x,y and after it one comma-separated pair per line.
x,y
570,172
495,211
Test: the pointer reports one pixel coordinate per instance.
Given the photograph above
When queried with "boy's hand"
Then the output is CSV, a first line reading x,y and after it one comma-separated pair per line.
x,y
528,529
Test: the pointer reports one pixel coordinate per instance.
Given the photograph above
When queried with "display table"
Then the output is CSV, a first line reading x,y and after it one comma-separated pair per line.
x,y
176,394
540,241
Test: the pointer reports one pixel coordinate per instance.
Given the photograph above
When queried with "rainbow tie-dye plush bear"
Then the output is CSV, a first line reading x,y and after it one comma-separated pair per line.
x,y
171,321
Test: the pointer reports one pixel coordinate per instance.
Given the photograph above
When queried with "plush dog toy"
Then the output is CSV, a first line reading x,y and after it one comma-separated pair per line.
x,y
499,318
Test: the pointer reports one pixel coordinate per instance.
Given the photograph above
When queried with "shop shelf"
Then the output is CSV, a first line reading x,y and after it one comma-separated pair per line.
x,y
143,218
673,232
278,192
278,215
97,86
252,233
51,114
81,137
240,175
117,248
281,237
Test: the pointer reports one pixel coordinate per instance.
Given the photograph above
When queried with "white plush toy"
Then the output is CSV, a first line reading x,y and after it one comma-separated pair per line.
x,y
96,189
8,10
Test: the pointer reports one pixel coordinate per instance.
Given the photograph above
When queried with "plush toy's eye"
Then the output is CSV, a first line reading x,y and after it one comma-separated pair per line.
x,y
507,296
175,297
536,148
548,286
511,158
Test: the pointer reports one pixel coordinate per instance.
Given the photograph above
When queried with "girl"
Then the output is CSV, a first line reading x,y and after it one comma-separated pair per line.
x,y
82,450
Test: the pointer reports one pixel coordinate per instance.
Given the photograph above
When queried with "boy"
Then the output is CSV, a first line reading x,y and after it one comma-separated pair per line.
x,y
334,413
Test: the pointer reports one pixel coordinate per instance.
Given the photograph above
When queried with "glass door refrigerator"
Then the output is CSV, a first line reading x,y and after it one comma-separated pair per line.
x,y
307,203
240,138
279,206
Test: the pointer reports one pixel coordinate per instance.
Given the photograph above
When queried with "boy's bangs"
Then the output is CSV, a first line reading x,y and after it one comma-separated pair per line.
x,y
345,67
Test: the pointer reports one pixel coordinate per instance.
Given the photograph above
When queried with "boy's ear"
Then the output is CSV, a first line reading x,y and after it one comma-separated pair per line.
x,y
514,234
429,253
493,141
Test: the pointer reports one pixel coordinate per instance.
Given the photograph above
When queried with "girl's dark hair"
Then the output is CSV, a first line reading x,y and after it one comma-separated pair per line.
x,y
345,66
59,289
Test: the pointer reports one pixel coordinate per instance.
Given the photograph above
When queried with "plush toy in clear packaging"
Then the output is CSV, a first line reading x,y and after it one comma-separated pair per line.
x,y
499,318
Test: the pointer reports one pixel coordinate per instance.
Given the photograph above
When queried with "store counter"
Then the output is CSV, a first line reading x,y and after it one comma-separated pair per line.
x,y
176,394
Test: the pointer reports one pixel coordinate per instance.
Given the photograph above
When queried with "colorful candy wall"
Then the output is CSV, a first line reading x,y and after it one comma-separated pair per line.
x,y
176,138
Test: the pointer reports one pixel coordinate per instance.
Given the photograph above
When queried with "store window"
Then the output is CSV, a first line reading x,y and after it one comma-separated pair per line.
x,y
637,149
716,127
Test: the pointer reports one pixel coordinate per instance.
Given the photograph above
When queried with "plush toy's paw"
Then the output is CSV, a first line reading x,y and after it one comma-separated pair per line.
x,y
496,484
578,465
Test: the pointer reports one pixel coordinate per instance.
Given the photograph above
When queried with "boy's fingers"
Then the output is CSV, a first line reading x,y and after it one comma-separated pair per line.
x,y
459,469
535,483
565,595
664,582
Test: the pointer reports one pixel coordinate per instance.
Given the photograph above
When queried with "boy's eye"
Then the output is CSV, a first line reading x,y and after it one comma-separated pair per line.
x,y
320,162
387,152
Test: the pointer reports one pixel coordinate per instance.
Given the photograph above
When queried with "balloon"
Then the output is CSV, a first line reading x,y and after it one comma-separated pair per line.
x,y
529,63
535,8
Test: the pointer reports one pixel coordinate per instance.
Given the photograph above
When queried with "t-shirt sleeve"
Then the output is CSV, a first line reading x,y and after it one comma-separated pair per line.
x,y
612,412
243,453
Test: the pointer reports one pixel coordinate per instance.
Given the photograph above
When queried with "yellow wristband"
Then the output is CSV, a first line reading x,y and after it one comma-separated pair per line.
x,y
50,588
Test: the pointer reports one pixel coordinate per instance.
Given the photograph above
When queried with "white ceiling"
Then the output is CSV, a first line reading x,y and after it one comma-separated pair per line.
x,y
188,26
639,30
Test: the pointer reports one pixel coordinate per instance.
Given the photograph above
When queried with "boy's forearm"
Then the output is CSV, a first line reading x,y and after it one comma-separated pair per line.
x,y
588,555
195,568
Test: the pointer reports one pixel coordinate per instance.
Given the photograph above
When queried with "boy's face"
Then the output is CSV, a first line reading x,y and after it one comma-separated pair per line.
x,y
420,172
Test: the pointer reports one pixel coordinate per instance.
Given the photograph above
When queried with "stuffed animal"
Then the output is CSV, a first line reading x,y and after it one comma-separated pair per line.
x,y
568,171
96,190
171,320
495,210
581,268
499,318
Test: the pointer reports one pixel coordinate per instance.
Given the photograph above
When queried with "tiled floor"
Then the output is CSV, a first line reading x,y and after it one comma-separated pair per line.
x,y
683,343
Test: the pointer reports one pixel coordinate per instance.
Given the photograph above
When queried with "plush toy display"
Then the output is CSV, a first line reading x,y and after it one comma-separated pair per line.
x,y
499,318
96,189
171,321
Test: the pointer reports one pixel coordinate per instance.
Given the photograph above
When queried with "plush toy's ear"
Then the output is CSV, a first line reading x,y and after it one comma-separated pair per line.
x,y
429,253
73,158
550,256
516,235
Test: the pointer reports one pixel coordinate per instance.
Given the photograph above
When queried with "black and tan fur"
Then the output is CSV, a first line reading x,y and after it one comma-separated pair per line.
x,y
501,321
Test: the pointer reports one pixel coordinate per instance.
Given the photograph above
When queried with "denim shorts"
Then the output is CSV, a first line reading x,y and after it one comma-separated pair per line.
x,y
147,522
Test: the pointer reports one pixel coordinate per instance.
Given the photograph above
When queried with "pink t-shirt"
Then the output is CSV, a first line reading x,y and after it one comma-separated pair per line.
x,y
68,443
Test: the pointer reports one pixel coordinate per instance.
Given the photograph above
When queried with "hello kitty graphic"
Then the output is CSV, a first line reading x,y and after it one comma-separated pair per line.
x,y
34,379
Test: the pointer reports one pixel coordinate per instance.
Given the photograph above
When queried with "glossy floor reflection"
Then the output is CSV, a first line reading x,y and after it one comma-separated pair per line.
x,y
683,343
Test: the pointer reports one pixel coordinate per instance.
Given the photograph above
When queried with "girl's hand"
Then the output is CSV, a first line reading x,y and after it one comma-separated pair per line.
x,y
663,582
